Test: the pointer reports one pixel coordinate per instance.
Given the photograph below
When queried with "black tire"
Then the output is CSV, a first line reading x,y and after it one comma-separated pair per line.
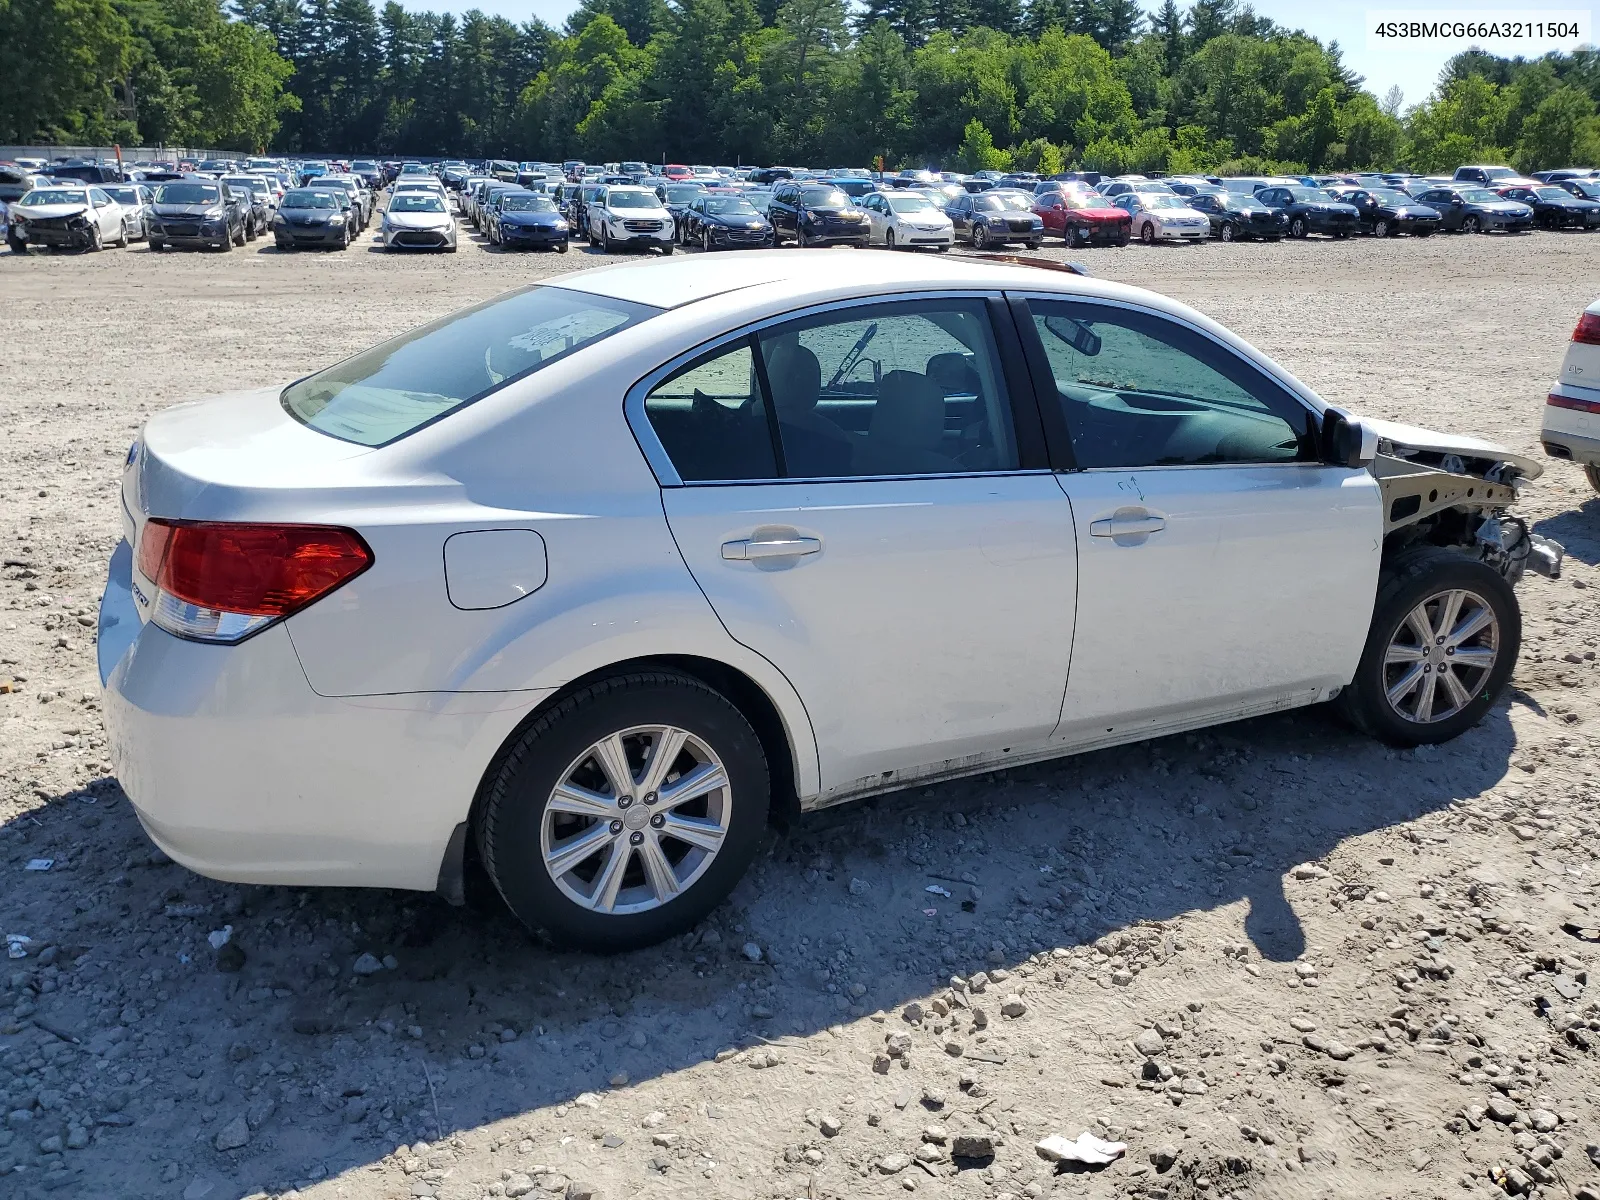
x,y
605,240
1276,238
1225,232
980,237
1035,244
705,240
156,244
1408,581
227,241
888,239
1591,472
509,824
1422,233
1147,233
668,248
1472,225
241,239
1297,228
1123,238
17,245
562,248
1382,228
1069,237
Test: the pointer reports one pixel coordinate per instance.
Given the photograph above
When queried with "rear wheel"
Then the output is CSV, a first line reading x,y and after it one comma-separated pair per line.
x,y
1444,638
626,812
1591,472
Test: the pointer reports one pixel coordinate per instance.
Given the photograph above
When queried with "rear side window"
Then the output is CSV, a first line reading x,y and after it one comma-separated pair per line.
x,y
410,381
712,419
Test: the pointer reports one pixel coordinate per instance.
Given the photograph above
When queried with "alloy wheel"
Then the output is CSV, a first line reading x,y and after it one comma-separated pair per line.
x,y
1381,229
1471,225
1440,656
636,819
1226,232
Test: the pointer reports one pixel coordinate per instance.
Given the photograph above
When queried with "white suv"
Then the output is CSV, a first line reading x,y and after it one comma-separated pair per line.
x,y
625,218
1572,410
599,575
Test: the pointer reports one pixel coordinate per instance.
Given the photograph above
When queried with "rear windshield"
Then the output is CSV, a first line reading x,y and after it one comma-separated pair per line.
x,y
396,388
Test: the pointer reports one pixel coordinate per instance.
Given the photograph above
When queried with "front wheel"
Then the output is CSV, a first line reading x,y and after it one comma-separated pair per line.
x,y
240,239
1380,228
1297,228
122,236
1035,244
888,239
156,244
980,238
1147,234
1444,638
1472,225
626,812
705,240
17,245
1225,232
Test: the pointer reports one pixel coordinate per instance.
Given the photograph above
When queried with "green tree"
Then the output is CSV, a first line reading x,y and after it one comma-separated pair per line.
x,y
58,62
978,151
1562,131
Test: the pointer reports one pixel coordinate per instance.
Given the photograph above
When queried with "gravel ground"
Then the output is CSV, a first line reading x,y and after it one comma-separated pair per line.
x,y
1274,958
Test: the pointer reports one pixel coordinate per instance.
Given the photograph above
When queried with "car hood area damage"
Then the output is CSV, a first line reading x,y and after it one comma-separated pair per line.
x,y
1454,489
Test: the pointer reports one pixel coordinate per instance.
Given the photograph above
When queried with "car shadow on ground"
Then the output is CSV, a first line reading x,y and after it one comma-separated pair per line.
x,y
852,910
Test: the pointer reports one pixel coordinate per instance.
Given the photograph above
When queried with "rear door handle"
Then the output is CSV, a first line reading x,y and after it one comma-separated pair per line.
x,y
776,547
1127,525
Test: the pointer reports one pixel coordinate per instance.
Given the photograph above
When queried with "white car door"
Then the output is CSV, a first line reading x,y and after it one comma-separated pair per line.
x,y
881,541
1225,570
107,213
876,208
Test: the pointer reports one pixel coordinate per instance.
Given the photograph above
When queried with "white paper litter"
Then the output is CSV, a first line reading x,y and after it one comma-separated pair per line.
x,y
220,937
1087,1149
17,945
937,890
40,864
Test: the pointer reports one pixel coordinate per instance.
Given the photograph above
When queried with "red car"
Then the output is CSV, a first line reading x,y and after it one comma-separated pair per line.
x,y
677,171
1083,218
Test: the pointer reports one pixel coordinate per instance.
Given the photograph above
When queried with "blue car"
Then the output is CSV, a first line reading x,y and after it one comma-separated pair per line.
x,y
528,220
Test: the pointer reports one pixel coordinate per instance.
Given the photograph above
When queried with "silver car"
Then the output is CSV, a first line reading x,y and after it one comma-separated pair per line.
x,y
418,219
135,199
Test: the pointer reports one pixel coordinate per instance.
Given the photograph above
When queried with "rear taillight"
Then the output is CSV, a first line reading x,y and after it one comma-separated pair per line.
x,y
1588,330
1587,406
222,582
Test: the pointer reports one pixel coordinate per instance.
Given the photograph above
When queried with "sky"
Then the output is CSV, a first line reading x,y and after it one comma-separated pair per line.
x,y
1413,70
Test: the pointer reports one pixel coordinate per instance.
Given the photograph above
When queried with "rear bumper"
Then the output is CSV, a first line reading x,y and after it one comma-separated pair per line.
x,y
239,771
1572,433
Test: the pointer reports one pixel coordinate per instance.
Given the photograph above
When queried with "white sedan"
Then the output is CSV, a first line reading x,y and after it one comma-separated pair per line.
x,y
907,220
1163,217
81,218
575,576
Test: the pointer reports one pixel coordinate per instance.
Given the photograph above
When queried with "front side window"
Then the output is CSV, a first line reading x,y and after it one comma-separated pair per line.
x,y
1137,390
409,381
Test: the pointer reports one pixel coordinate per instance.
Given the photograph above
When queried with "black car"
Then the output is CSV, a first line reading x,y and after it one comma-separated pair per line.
x,y
853,187
313,217
723,221
577,208
85,172
198,212
996,217
527,220
1233,216
770,174
1588,189
1555,207
1466,208
816,214
1385,212
371,173
1311,210
676,198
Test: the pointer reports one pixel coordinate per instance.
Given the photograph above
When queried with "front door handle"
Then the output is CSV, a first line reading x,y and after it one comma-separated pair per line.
x,y
770,547
1127,524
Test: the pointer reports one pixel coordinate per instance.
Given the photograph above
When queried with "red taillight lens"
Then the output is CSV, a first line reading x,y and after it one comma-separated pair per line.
x,y
1588,330
1587,406
253,570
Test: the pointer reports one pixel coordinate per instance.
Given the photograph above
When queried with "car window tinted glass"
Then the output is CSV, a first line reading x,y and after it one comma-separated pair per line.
x,y
306,198
188,193
1478,196
417,202
1140,391
712,419
399,386
729,206
910,389
130,196
828,197
1552,193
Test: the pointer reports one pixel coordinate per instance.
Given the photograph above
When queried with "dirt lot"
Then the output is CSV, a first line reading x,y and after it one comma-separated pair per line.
x,y
1275,959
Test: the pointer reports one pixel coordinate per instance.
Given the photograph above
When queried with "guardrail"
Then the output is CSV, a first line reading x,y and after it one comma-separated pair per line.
x,y
130,154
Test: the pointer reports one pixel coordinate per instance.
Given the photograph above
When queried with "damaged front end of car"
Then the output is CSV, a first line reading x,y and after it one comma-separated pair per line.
x,y
1458,492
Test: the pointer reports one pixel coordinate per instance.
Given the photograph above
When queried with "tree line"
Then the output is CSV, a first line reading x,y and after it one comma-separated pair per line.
x,y
1025,84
